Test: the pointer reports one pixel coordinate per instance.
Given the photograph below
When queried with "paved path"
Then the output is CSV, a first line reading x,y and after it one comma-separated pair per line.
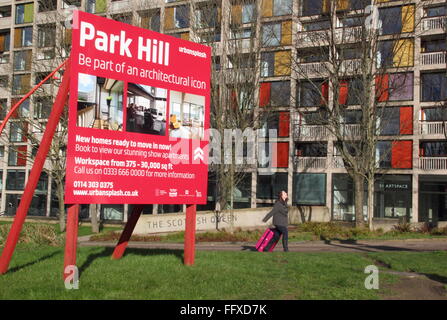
x,y
415,245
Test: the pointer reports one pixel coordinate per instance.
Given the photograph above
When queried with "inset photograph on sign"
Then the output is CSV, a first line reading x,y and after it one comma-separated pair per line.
x,y
100,102
186,115
146,109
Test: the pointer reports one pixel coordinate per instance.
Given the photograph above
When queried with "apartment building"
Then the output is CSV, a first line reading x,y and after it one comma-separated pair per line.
x,y
307,165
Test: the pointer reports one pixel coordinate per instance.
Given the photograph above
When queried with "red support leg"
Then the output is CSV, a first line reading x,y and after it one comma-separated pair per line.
x,y
127,232
190,234
71,240
36,170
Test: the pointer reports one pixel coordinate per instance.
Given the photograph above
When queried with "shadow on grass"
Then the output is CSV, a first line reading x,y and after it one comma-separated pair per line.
x,y
48,256
436,277
107,252
249,248
354,245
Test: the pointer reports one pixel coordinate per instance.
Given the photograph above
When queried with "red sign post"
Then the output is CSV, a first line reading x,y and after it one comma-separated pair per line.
x,y
137,130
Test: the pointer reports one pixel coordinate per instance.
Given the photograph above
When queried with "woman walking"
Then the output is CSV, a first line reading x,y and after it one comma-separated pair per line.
x,y
280,221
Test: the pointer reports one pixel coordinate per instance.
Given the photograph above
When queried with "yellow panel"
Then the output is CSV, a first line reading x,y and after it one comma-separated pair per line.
x,y
267,8
17,38
286,33
144,21
407,18
236,14
184,36
169,18
326,6
403,53
342,4
282,63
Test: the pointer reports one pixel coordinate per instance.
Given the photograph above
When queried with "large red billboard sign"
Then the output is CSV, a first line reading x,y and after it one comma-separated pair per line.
x,y
138,115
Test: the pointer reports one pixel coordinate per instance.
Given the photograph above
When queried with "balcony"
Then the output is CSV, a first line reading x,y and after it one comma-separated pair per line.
x,y
352,66
433,127
316,69
337,162
310,132
86,117
435,24
433,163
352,130
433,58
322,37
310,163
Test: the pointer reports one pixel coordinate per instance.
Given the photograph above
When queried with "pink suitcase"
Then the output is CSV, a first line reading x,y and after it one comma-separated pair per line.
x,y
266,238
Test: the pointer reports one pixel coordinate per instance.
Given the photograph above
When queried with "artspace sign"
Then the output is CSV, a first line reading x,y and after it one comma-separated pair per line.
x,y
138,115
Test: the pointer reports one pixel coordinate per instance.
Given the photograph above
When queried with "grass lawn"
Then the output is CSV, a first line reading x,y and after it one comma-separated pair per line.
x,y
35,273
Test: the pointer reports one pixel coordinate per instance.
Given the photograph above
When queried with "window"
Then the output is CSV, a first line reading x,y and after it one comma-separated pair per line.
x,y
275,34
151,20
436,45
269,186
23,37
96,6
311,149
22,60
22,111
242,13
24,13
207,16
15,179
3,108
4,81
17,156
46,54
396,121
42,107
396,54
434,86
434,114
312,94
311,7
343,197
394,154
278,121
4,41
275,63
274,8
40,76
394,87
274,94
436,11
241,33
433,149
177,17
17,131
21,84
47,5
396,20
46,35
309,189
5,11
352,116
316,25
273,155
392,196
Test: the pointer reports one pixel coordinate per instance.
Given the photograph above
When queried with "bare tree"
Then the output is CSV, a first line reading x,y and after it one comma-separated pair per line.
x,y
351,64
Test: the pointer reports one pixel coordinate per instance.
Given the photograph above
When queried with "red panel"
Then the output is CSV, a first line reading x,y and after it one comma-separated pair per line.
x,y
264,94
382,92
402,154
324,93
282,155
284,124
21,156
343,93
406,120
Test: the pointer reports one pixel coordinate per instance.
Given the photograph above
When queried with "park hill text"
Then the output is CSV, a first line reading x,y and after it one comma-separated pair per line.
x,y
150,50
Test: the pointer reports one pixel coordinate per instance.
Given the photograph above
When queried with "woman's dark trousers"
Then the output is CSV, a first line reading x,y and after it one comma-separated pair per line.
x,y
280,230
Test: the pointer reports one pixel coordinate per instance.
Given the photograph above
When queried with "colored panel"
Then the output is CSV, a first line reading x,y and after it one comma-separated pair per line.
x,y
184,35
286,33
403,53
2,42
282,63
401,154
343,94
282,155
169,18
324,93
342,4
21,156
326,6
17,38
29,13
264,94
284,124
101,6
406,120
145,21
236,14
408,18
382,92
267,8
